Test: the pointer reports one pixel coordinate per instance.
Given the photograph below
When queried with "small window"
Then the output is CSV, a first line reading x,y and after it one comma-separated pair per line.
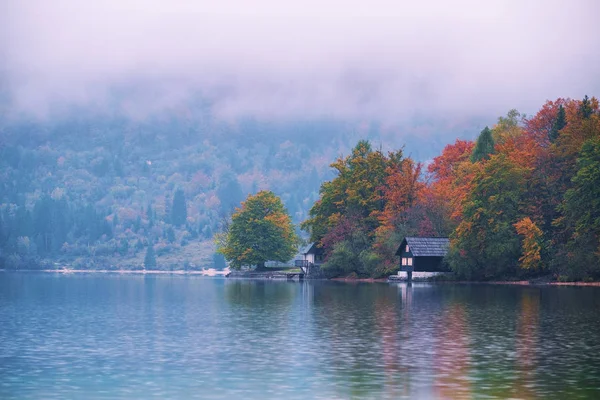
x,y
407,248
404,261
409,261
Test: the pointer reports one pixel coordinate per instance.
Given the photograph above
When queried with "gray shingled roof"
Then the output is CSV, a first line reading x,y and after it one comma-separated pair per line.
x,y
427,246
305,249
311,248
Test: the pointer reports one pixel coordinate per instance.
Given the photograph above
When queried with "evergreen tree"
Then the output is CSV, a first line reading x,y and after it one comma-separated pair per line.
x,y
42,223
559,123
60,226
170,234
150,215
229,192
150,258
24,222
581,208
585,108
179,209
137,224
219,261
484,145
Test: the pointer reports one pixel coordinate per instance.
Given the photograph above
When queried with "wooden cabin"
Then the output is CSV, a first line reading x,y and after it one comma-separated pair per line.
x,y
423,254
312,256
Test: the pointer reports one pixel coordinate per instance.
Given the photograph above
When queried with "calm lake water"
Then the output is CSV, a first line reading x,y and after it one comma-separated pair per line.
x,y
113,337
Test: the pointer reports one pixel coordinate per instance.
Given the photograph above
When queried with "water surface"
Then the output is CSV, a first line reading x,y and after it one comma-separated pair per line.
x,y
99,336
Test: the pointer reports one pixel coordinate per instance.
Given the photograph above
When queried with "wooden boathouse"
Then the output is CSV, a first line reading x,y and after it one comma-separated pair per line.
x,y
312,258
423,254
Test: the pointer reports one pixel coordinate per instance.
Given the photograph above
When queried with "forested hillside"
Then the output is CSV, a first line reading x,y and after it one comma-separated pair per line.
x,y
521,201
95,192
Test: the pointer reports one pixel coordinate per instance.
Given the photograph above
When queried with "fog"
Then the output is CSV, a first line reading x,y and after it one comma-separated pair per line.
x,y
379,60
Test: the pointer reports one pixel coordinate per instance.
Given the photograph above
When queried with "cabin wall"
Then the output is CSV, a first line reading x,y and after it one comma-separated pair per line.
x,y
430,264
310,258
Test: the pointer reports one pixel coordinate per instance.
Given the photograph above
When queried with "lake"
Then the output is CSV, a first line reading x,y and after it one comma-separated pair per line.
x,y
102,336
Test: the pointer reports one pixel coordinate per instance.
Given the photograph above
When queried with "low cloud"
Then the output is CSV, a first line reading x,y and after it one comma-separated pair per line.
x,y
381,60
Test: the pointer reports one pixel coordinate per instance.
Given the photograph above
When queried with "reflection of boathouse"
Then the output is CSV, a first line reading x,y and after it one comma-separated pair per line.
x,y
423,254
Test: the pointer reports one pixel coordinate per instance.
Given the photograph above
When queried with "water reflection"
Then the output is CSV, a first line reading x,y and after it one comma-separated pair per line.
x,y
188,337
453,354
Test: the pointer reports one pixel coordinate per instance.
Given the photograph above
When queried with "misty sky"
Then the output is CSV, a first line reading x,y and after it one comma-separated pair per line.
x,y
274,59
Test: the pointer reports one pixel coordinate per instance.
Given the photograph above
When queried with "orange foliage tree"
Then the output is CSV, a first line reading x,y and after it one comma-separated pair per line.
x,y
531,244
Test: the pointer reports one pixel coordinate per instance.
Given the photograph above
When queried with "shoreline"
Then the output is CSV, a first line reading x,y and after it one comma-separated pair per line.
x,y
213,272
206,272
516,283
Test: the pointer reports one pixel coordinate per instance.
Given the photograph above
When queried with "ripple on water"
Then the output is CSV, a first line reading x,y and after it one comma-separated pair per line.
x,y
111,337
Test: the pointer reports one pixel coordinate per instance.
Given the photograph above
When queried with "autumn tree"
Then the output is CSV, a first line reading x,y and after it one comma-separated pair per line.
x,y
450,175
358,190
507,127
531,244
404,213
544,125
363,209
485,244
261,230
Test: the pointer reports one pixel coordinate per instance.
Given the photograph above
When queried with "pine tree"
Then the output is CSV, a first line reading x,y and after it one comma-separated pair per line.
x,y
42,222
179,209
219,261
150,258
586,109
229,192
150,215
484,145
170,234
559,123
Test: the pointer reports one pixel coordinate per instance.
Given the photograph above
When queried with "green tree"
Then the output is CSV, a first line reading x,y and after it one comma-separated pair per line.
x,y
179,208
585,109
357,190
261,230
484,145
170,234
559,123
150,258
150,215
485,244
229,192
581,208
219,261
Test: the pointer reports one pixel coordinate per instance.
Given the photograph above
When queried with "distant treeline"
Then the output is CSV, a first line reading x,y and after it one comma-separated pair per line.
x,y
521,201
95,193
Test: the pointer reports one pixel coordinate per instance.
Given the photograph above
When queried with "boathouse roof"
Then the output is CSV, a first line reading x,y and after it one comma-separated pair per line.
x,y
311,248
425,246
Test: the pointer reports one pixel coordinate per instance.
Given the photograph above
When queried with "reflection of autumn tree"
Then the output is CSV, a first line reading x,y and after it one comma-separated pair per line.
x,y
387,324
526,343
452,354
348,326
258,294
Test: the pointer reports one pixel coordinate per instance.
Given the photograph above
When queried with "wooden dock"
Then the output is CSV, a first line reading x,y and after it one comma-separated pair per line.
x,y
275,275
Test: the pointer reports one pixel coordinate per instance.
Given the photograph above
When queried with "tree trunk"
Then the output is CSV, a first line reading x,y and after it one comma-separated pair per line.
x,y
260,267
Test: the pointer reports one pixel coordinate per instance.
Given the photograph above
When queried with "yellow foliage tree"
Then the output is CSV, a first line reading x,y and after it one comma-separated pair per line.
x,y
531,257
